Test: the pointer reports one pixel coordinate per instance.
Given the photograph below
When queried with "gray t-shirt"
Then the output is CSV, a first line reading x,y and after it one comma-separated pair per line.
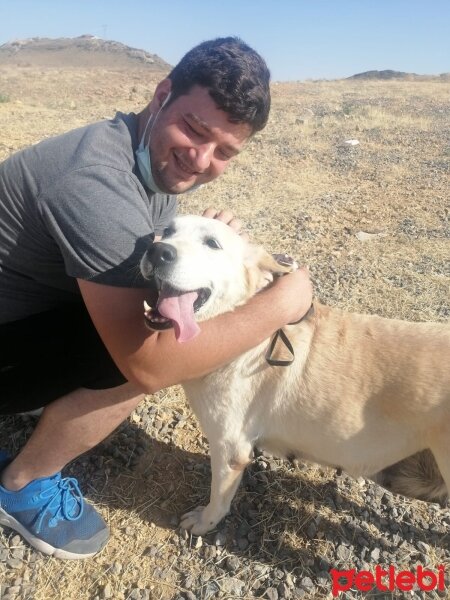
x,y
74,207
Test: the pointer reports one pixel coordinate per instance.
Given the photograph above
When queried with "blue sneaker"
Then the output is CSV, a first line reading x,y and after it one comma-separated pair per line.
x,y
52,515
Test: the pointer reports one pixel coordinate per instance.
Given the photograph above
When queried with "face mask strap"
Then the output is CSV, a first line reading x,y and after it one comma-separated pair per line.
x,y
141,145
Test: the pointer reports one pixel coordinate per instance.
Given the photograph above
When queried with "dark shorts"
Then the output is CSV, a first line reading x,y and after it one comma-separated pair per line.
x,y
51,354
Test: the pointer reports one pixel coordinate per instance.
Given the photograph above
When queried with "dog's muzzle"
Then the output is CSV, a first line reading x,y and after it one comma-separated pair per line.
x,y
159,256
174,307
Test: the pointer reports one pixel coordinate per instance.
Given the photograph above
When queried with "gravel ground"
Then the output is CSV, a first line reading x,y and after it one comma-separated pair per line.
x,y
255,552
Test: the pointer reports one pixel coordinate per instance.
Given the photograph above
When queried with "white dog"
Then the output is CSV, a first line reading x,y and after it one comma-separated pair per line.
x,y
362,393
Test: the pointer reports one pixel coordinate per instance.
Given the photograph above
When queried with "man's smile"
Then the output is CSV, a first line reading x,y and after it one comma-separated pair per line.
x,y
183,166
183,170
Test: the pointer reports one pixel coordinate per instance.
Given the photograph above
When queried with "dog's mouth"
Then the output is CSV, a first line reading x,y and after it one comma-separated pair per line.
x,y
176,308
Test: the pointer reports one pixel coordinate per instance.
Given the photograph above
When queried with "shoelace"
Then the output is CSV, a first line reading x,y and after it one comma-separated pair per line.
x,y
62,496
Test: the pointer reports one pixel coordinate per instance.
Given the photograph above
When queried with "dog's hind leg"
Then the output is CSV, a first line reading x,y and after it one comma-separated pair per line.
x,y
441,452
416,476
228,462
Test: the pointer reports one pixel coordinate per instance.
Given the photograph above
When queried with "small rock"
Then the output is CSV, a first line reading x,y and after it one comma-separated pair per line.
x,y
116,568
343,553
364,236
423,546
205,576
311,530
4,554
375,555
211,590
323,578
289,581
307,584
232,564
283,590
150,551
242,544
107,591
252,536
324,565
271,594
16,541
210,552
189,582
220,539
232,586
278,574
14,563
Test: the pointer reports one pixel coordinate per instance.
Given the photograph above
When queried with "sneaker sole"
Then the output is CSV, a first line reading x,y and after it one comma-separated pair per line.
x,y
9,521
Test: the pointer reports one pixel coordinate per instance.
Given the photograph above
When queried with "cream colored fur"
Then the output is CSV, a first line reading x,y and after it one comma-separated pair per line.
x,y
362,393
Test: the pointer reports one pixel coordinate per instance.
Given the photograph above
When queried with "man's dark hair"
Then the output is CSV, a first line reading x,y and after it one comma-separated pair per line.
x,y
236,77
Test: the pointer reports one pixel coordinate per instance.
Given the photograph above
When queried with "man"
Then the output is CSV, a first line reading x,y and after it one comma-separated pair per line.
x,y
76,215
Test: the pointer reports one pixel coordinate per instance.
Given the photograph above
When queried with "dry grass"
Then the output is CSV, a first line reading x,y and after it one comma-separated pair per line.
x,y
300,189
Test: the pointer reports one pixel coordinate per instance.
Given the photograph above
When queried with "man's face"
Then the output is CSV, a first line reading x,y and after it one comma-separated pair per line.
x,y
192,142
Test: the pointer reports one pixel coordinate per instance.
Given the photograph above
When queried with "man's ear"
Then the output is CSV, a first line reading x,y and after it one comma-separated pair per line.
x,y
162,90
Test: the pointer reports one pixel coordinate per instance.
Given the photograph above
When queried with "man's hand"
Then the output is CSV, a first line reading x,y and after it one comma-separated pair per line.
x,y
295,294
226,216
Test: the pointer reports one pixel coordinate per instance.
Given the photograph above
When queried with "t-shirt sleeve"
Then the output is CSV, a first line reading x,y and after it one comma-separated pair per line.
x,y
102,221
167,213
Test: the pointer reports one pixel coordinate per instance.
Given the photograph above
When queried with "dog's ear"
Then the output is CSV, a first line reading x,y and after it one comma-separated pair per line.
x,y
262,266
278,264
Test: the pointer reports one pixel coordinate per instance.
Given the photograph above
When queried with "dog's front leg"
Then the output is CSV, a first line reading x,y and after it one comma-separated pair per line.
x,y
227,470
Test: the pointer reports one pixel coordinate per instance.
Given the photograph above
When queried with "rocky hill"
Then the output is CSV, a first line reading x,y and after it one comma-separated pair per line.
x,y
390,74
84,51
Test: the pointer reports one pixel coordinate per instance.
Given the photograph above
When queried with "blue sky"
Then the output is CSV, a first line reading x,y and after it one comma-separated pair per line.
x,y
300,39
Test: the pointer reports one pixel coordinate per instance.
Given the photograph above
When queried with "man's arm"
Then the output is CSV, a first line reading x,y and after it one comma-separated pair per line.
x,y
155,360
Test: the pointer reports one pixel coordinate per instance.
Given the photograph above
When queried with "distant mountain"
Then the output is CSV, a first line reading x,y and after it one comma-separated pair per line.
x,y
386,74
389,74
83,51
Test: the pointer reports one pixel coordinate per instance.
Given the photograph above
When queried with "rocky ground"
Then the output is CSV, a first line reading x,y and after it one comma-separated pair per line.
x,y
371,220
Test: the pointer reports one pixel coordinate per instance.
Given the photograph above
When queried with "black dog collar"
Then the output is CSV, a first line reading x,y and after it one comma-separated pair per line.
x,y
280,335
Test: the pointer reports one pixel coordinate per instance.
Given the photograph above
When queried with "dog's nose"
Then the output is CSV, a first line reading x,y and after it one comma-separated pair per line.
x,y
161,254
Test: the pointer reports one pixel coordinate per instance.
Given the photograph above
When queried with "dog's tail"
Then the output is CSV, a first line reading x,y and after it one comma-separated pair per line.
x,y
417,476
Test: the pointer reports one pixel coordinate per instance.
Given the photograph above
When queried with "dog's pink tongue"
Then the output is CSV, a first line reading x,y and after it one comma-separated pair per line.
x,y
179,308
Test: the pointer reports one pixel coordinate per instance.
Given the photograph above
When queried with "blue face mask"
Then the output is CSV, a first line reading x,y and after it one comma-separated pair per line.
x,y
143,155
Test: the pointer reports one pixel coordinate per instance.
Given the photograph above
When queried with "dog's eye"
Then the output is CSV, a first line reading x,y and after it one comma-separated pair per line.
x,y
213,243
168,231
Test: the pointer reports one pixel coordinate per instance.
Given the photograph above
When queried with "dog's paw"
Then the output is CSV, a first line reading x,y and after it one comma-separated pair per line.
x,y
196,521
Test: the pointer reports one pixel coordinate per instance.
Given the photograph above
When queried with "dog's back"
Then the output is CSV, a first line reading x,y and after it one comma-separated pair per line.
x,y
363,391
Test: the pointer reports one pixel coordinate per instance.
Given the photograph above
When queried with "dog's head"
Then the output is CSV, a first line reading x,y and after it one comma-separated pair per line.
x,y
203,268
